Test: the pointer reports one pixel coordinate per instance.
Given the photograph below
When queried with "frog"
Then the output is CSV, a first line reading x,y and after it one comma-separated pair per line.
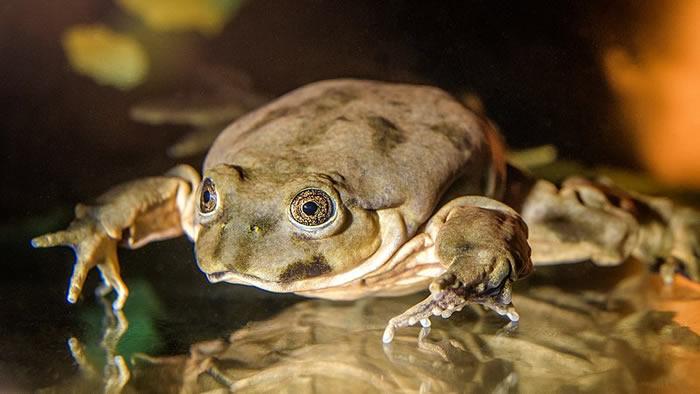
x,y
345,189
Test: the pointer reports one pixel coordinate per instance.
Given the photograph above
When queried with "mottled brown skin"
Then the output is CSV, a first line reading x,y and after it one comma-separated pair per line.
x,y
357,140
421,199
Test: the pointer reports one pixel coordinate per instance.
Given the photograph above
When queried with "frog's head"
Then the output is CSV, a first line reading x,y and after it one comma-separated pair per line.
x,y
279,232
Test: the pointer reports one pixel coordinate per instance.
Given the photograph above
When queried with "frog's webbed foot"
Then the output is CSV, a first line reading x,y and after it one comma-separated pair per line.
x,y
449,295
93,247
484,245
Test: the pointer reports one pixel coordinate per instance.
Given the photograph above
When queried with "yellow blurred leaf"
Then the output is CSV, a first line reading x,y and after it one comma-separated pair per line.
x,y
205,16
108,57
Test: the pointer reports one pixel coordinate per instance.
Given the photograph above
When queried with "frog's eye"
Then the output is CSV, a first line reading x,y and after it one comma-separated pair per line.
x,y
312,208
208,197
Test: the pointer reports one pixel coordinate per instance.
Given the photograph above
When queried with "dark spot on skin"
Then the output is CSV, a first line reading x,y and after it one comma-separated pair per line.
x,y
324,102
458,136
242,173
310,137
327,101
305,269
386,134
568,231
646,214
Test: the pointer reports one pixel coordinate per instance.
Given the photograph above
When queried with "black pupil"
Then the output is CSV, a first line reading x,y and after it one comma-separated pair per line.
x,y
309,208
206,196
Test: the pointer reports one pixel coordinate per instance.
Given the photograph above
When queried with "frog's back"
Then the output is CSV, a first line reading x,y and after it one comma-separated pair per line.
x,y
390,145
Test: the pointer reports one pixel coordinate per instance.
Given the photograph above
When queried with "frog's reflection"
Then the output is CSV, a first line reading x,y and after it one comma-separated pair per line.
x,y
322,347
569,341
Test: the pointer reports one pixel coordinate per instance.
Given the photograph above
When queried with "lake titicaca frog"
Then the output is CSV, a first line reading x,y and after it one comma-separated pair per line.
x,y
345,189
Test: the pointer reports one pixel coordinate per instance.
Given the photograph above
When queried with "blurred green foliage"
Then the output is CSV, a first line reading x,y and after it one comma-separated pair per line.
x,y
108,57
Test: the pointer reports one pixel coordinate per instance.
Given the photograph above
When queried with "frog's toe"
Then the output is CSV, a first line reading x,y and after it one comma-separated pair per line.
x,y
419,313
80,232
52,239
77,279
507,310
112,280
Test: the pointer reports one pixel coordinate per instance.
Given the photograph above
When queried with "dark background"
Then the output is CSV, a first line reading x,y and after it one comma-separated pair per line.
x,y
66,139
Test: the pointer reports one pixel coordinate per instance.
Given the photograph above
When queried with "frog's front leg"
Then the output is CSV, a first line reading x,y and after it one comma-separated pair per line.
x,y
483,245
131,214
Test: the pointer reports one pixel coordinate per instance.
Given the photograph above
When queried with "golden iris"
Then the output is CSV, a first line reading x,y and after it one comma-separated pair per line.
x,y
312,207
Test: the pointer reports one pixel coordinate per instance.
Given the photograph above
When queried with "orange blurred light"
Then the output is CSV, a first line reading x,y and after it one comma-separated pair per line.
x,y
659,95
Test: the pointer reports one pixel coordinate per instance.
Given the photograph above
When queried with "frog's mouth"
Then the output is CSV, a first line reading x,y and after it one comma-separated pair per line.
x,y
393,236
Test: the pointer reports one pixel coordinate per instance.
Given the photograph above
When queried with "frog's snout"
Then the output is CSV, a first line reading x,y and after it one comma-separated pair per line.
x,y
220,275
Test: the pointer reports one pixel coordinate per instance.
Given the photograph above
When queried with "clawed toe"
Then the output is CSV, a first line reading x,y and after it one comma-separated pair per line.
x,y
421,312
444,300
507,310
